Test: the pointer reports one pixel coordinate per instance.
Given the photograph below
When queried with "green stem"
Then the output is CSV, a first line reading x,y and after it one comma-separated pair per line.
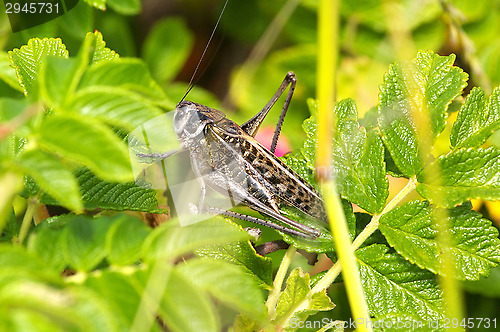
x,y
335,270
345,253
273,297
28,217
373,225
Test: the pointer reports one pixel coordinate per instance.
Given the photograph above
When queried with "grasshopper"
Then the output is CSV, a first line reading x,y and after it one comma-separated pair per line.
x,y
226,158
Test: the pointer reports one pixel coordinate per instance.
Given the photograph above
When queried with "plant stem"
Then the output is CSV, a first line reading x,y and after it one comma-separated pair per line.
x,y
28,217
273,297
328,35
335,270
373,225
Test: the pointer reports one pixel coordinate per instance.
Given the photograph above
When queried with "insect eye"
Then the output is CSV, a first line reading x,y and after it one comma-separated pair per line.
x,y
179,119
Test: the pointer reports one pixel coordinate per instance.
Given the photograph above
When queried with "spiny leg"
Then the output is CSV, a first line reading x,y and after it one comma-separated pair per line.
x,y
157,155
259,221
252,126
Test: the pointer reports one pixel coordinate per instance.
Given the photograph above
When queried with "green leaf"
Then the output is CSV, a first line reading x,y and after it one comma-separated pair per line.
x,y
489,286
57,79
171,240
99,194
45,241
296,161
99,4
393,285
26,303
358,160
477,119
116,106
182,306
52,176
464,174
97,44
124,240
411,230
127,73
427,84
11,108
405,322
7,73
59,76
29,59
83,242
125,7
297,288
228,283
165,56
89,142
185,308
18,264
243,254
243,323
120,292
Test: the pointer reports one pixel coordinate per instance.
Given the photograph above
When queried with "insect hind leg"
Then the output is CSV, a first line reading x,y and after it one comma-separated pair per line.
x,y
252,126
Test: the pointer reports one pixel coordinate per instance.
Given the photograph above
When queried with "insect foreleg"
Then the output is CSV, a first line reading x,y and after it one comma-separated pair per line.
x,y
158,155
252,126
203,186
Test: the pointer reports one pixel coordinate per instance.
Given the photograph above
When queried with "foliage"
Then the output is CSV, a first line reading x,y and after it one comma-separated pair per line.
x,y
67,106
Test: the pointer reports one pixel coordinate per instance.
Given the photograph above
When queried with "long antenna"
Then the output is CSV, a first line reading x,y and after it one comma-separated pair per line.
x,y
190,86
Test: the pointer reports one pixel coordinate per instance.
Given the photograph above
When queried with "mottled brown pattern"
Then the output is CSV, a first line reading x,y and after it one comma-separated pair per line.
x,y
231,161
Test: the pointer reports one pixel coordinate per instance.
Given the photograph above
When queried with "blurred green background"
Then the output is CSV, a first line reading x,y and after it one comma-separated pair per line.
x,y
259,41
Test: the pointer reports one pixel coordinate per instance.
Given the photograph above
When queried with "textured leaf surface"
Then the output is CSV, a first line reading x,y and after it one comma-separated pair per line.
x,y
464,174
228,283
29,58
477,119
359,161
100,51
410,229
119,196
243,254
394,285
297,288
52,176
88,142
411,93
358,158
